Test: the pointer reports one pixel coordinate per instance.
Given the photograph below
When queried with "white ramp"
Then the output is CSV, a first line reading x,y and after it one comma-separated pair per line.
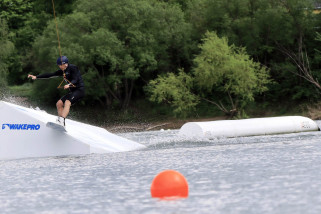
x,y
248,127
24,134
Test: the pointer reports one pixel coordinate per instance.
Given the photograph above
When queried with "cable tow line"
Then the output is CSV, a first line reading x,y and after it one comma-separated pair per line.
x,y
64,75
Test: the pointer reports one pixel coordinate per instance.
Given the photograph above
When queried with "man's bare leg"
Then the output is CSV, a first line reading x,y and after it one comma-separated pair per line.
x,y
60,107
66,109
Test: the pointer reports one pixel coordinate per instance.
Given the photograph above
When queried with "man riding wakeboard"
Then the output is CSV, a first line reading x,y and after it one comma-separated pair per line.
x,y
74,83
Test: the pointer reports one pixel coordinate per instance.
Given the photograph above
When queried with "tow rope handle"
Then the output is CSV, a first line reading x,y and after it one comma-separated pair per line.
x,y
67,81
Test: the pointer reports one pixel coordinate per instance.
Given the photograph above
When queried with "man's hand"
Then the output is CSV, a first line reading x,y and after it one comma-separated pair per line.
x,y
66,86
32,77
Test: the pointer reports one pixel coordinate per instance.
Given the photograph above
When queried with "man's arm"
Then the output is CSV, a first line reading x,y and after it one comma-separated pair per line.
x,y
45,76
49,75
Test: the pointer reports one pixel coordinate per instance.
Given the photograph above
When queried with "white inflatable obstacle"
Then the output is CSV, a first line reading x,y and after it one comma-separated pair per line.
x,y
23,133
248,127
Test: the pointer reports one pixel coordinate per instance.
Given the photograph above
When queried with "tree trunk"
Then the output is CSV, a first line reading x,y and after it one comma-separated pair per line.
x,y
129,87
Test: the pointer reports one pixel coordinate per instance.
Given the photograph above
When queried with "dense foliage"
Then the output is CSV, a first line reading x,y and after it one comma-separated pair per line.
x,y
167,51
225,74
6,48
117,45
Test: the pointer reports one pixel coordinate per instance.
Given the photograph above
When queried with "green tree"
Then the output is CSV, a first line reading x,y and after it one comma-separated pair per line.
x,y
26,20
224,75
275,33
174,90
15,12
118,44
6,48
223,68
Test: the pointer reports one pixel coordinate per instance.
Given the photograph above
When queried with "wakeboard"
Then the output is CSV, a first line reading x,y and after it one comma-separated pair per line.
x,y
56,126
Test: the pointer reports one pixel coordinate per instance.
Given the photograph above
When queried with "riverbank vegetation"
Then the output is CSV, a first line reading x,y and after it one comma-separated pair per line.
x,y
143,59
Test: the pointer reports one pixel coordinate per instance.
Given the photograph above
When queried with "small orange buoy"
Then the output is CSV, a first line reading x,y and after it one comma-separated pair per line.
x,y
169,183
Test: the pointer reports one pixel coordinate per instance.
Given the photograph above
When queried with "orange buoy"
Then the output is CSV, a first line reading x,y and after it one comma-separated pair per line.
x,y
169,183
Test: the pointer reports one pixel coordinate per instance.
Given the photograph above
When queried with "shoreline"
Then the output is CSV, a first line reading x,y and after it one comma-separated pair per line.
x,y
121,127
121,124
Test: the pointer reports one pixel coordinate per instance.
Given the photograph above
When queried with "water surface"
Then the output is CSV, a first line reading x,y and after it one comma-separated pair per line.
x,y
262,174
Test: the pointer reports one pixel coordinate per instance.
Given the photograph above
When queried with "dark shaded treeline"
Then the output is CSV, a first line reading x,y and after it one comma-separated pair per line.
x,y
122,45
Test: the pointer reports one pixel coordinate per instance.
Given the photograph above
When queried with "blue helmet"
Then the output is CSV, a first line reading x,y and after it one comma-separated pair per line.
x,y
62,60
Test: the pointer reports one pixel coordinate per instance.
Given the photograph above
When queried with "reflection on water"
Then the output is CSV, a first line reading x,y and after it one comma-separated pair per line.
x,y
266,174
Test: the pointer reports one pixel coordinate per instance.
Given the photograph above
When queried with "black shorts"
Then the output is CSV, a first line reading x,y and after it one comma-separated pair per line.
x,y
73,96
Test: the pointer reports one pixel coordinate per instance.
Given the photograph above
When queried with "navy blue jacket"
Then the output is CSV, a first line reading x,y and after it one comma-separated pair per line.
x,y
72,74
